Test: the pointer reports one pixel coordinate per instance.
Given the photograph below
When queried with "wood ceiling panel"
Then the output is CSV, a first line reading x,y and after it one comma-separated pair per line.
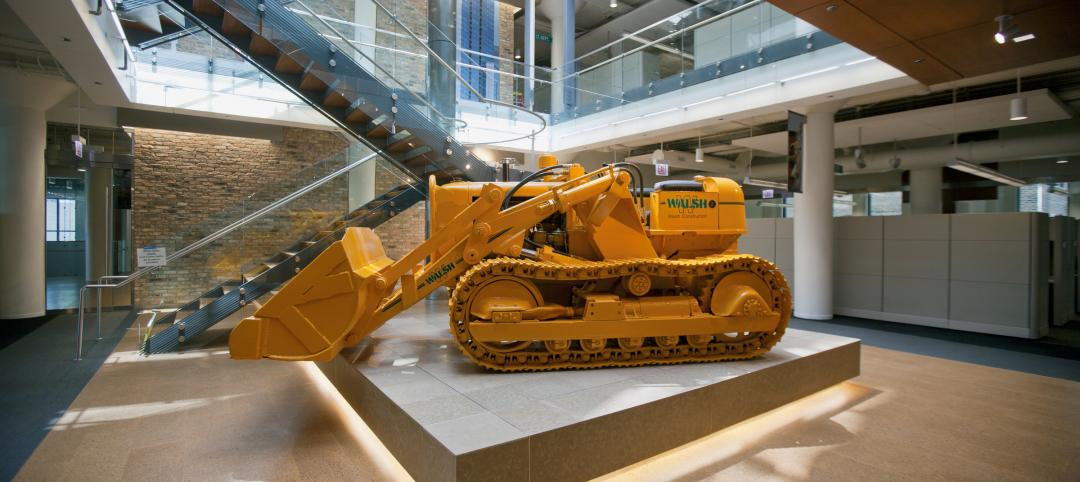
x,y
795,6
851,25
915,62
954,38
917,19
972,51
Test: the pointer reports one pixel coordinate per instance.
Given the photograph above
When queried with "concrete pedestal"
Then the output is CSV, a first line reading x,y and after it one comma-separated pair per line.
x,y
444,418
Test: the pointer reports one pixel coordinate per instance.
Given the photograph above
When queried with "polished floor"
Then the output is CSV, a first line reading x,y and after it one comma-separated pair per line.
x,y
199,416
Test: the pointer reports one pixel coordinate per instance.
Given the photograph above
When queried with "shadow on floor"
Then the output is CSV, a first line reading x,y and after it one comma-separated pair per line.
x,y
1057,355
39,378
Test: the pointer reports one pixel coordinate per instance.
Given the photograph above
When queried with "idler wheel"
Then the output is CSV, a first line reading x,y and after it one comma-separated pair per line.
x,y
667,341
593,345
557,346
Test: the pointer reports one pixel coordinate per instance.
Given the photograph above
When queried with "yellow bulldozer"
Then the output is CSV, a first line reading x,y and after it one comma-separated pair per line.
x,y
564,269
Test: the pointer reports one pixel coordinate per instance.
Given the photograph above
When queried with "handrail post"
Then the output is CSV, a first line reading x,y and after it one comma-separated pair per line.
x,y
79,325
98,313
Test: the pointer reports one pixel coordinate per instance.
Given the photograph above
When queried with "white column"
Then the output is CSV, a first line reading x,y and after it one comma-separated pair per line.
x,y
925,190
362,184
364,13
813,287
562,17
22,212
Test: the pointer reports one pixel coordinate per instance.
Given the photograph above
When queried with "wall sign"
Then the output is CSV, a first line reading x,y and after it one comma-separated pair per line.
x,y
767,194
150,256
661,169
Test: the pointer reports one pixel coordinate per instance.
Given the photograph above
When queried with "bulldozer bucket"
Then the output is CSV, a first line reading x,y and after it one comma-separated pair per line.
x,y
317,312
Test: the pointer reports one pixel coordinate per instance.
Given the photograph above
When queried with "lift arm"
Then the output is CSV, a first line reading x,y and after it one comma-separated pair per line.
x,y
352,288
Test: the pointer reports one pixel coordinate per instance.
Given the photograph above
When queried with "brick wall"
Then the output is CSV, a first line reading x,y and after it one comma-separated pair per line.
x,y
403,232
410,70
188,185
506,51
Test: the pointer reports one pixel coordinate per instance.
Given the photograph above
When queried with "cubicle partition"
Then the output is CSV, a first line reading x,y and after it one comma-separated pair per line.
x,y
984,273
1063,269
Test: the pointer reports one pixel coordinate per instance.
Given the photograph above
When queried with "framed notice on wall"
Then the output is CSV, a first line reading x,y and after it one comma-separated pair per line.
x,y
796,123
150,256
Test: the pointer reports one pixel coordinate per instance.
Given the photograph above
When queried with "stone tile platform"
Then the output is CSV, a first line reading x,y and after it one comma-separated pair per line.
x,y
445,418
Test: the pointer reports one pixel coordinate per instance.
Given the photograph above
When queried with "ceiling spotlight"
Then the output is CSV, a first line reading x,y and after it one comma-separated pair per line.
x,y
699,153
1018,105
1005,31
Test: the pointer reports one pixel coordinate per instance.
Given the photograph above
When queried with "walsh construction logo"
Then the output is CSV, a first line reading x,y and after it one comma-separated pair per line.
x,y
687,204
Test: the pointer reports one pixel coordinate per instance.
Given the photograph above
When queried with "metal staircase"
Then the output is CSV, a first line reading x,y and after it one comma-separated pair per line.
x,y
390,119
219,302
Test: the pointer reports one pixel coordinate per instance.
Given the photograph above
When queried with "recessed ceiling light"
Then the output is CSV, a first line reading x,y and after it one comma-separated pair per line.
x,y
1062,161
918,61
831,8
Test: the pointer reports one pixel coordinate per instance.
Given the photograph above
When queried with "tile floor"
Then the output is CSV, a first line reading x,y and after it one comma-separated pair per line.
x,y
197,415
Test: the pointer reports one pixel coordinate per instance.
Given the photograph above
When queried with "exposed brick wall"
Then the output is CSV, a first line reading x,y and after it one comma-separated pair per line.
x,y
403,232
188,185
410,70
506,50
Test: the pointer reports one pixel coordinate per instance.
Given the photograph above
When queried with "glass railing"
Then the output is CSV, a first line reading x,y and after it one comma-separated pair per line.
x,y
708,41
398,50
244,251
116,48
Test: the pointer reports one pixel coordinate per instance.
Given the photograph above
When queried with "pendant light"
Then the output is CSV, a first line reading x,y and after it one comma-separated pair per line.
x,y
1018,105
860,162
658,155
699,154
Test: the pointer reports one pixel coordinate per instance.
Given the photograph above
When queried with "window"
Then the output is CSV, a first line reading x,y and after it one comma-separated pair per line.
x,y
1052,199
886,203
59,219
843,205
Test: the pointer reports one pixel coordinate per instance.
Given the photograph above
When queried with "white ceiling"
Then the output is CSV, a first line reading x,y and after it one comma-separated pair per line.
x,y
975,115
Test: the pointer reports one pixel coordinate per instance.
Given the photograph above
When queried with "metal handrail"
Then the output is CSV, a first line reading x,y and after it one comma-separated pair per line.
x,y
130,278
665,37
543,123
376,64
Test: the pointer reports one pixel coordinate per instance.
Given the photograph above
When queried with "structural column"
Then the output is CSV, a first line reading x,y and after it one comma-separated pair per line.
x,y
530,51
442,33
925,192
563,19
22,212
813,286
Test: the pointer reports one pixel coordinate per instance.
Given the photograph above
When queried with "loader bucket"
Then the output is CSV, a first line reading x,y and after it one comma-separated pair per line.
x,y
315,314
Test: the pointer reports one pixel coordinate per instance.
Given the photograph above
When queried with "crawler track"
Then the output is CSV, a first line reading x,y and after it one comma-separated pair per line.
x,y
693,275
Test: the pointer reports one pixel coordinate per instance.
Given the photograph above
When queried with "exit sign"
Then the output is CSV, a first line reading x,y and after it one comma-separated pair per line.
x,y
543,37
